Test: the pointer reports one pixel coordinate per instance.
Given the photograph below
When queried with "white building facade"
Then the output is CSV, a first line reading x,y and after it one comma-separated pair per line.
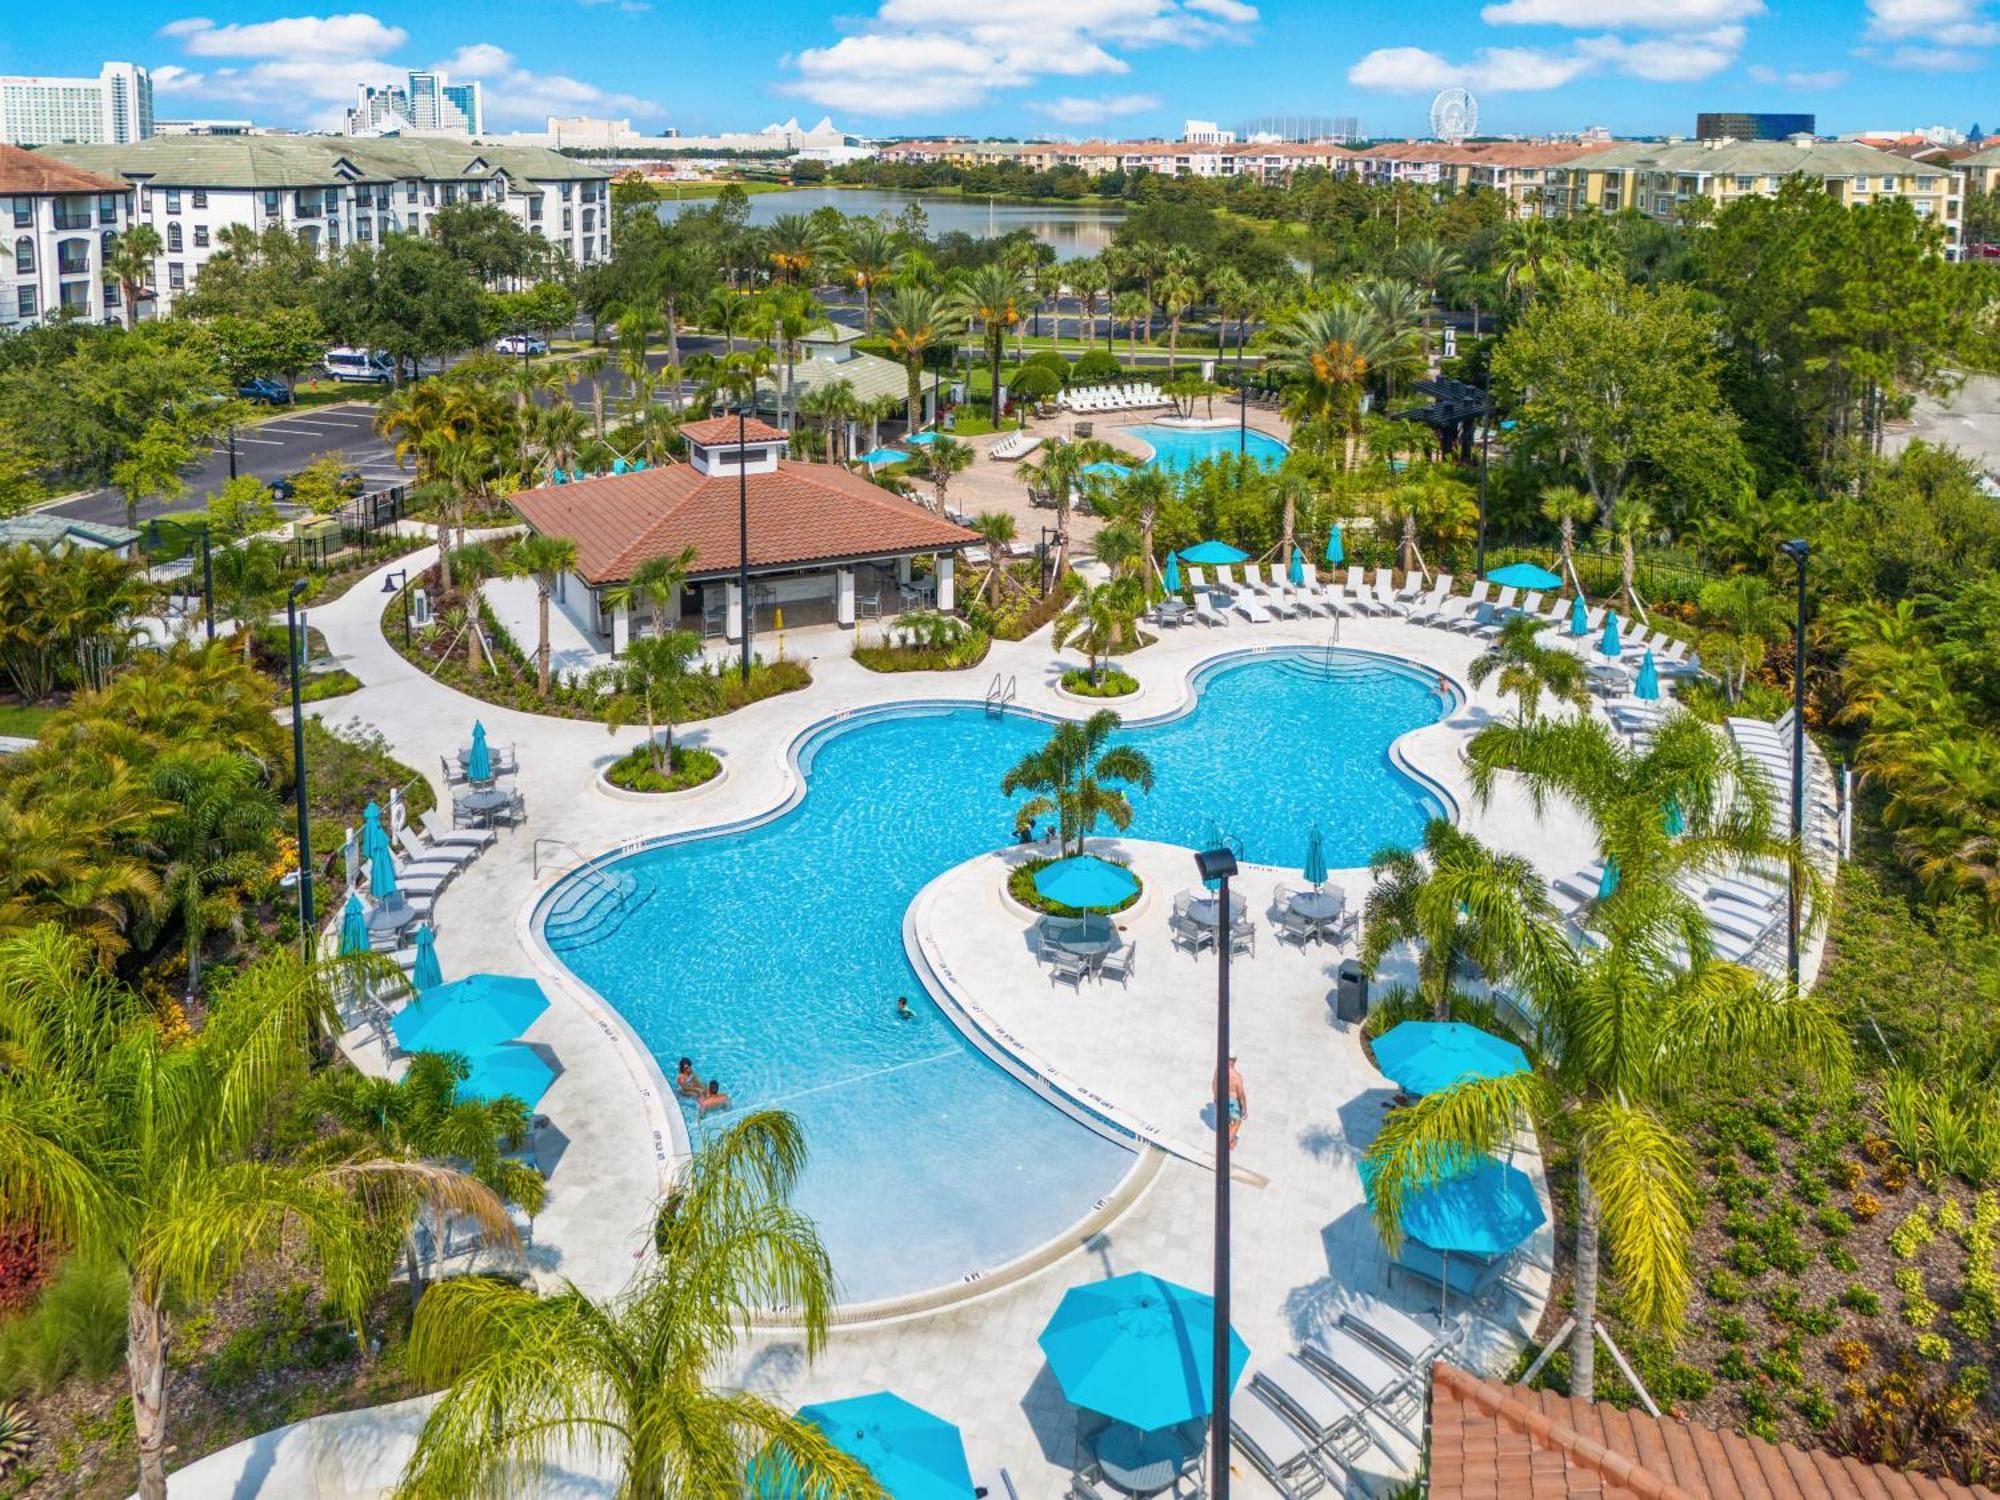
x,y
115,107
56,222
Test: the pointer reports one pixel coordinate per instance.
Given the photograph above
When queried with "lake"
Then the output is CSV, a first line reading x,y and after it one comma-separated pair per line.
x,y
1074,229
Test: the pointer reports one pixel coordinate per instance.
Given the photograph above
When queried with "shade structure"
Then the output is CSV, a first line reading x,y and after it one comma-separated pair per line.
x,y
1672,819
1607,643
382,878
1296,571
425,973
1085,880
468,1014
1171,575
1138,1349
479,762
1213,554
1479,1206
1523,575
510,1068
1608,881
374,837
1648,684
1335,553
912,1454
1315,870
876,457
1579,618
1428,1057
353,926
922,439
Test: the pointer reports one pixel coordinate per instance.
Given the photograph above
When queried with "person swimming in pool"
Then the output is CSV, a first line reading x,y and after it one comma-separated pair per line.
x,y
687,1082
712,1097
903,1011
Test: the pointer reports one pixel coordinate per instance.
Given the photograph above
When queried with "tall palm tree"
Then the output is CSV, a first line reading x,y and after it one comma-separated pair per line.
x,y
1099,618
1566,505
1530,252
1076,775
129,264
1528,669
657,582
990,296
1429,263
590,366
654,672
1087,280
872,256
1456,901
794,312
1128,308
123,1139
1179,290
559,430
1400,314
472,565
724,310
1059,472
1429,502
939,462
1138,495
916,319
794,247
1630,518
997,528
533,1378
1331,351
544,559
212,842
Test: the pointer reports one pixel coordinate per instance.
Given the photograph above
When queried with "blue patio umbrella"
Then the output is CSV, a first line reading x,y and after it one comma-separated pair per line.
x,y
1523,575
381,878
1672,819
557,476
1315,871
478,1011
425,973
1297,571
1085,880
1608,881
1579,618
1213,554
1138,1349
509,1068
922,439
353,926
1607,643
479,763
878,456
1477,1206
1648,685
619,466
1172,576
374,837
1335,554
1428,1057
912,1454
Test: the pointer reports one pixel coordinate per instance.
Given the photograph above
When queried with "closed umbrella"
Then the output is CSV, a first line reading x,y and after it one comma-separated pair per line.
x,y
1428,1057
1335,554
1297,571
1523,575
1579,618
382,878
912,1454
374,837
1171,577
1214,554
1608,881
1315,871
511,1069
353,927
1085,881
425,973
1138,1348
477,1011
1672,819
1607,643
479,762
1648,685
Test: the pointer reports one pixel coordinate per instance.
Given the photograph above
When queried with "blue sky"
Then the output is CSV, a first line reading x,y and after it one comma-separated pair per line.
x,y
1063,67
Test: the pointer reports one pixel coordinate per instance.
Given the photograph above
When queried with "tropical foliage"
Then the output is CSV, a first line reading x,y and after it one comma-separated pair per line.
x,y
1078,776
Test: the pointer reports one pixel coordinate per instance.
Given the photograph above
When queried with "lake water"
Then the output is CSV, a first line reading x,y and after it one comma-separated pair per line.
x,y
1074,229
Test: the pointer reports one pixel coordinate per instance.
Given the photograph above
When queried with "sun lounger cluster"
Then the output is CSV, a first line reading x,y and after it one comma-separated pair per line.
x,y
1095,398
1017,444
424,864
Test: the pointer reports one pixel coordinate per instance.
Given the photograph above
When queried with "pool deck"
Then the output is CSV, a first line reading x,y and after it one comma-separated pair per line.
x,y
1300,1241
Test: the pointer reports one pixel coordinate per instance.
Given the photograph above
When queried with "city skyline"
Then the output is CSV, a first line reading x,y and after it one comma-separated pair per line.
x,y
1068,68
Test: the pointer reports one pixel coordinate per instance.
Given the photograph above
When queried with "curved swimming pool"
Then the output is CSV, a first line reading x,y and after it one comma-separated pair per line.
x,y
1178,449
773,955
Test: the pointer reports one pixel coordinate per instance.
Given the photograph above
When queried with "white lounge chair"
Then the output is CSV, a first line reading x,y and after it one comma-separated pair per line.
x,y
1276,1447
1251,608
1382,1385
444,856
417,882
1361,596
1413,1340
1324,1413
444,835
1205,610
1429,609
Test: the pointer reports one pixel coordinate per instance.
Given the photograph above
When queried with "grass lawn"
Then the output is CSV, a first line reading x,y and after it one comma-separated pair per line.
x,y
308,394
21,721
672,192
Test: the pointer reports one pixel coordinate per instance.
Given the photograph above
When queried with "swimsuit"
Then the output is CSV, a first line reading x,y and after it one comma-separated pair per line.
x,y
1235,1111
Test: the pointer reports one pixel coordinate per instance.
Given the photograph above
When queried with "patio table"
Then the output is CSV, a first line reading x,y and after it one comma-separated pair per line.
x,y
482,805
1206,909
391,915
1144,1463
1318,906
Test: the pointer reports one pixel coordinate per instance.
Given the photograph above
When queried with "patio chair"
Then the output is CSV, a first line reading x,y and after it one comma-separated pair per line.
x,y
1429,609
1293,928
415,883
1205,610
1251,608
453,775
1187,932
1322,1411
1242,939
1414,1341
515,812
1501,612
1361,596
1455,609
418,857
1067,968
1087,1486
1277,1448
1380,1384
1120,964
443,837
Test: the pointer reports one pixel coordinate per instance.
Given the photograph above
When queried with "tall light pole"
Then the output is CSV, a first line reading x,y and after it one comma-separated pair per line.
x,y
295,644
398,582
208,562
1798,550
1218,865
1485,442
743,525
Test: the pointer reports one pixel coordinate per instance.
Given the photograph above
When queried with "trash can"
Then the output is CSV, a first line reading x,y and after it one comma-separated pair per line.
x,y
1351,992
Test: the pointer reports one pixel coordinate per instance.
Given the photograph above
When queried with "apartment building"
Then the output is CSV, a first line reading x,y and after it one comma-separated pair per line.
x,y
1268,161
333,192
1661,179
1516,170
115,106
58,221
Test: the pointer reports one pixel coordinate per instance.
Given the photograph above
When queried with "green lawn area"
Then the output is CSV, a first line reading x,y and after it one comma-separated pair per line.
x,y
306,395
21,721
669,192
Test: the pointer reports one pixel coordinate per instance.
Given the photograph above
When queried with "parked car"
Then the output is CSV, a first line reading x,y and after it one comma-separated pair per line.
x,y
356,364
284,488
264,391
520,343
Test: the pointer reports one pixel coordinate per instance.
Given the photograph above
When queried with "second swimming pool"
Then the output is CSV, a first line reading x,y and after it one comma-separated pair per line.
x,y
1179,449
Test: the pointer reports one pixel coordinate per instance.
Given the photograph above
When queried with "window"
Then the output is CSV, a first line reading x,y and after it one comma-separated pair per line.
x,y
174,239
106,242
24,256
110,294
24,213
75,295
24,301
273,200
535,208
1888,184
475,192
201,236
1746,184
73,257
72,213
569,220
107,208
176,275
565,192
173,200
410,193
589,220
364,229
333,234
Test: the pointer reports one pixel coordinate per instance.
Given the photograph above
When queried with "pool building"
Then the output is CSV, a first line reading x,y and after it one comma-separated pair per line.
x,y
826,546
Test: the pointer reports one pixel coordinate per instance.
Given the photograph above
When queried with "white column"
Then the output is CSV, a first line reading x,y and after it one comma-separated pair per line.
x,y
947,565
902,570
621,629
671,620
843,596
732,621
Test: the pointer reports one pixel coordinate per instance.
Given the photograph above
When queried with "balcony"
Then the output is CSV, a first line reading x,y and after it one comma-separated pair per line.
x,y
72,218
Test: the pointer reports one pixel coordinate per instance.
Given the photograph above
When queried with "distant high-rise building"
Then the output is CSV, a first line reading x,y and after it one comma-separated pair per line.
x,y
114,108
1751,127
466,99
425,100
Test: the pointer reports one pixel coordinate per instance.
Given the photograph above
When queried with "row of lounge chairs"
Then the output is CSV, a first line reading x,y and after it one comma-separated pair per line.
x,y
430,862
1096,398
1745,911
1017,444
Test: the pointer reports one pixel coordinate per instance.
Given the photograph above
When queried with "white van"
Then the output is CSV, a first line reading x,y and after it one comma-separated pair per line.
x,y
356,364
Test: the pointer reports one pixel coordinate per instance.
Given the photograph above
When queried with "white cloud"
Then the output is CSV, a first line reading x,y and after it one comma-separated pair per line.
x,y
1070,110
1645,15
1934,60
1829,78
1496,70
172,78
296,37
1933,23
916,55
516,96
1677,59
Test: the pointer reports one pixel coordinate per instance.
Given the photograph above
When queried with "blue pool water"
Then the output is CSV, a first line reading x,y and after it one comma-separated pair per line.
x,y
1179,449
773,956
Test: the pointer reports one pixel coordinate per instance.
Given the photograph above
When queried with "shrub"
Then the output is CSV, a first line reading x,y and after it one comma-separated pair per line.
x,y
1851,1355
687,767
1733,1327
938,651
1834,1223
1748,1258
1113,684
1915,1232
76,1327
323,685
1858,1298
1846,1175
17,1436
1842,1259
1816,1407
1934,1347
1865,1207
1735,1365
1725,1288
1818,1320
1095,367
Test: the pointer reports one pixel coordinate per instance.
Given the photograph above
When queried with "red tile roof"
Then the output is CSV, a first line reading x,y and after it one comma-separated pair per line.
x,y
803,513
712,430
1491,1441
28,172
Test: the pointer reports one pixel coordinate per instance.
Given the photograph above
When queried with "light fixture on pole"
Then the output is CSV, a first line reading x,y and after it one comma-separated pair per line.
x,y
208,571
1218,865
1798,550
399,582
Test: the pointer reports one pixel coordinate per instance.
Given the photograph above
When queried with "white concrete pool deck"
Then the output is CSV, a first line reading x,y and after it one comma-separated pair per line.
x,y
1300,1241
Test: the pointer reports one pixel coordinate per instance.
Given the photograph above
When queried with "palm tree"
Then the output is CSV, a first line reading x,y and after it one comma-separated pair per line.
x,y
794,246
591,366
1528,669
1138,495
654,670
917,318
1630,519
129,263
212,842
532,1378
1179,290
874,410
1331,351
1073,776
832,403
990,296
472,565
544,559
872,257
1751,616
1400,315
1459,901
657,581
1530,250
1565,504
941,460
1430,263
559,430
423,421
794,312
251,581
1087,280
1128,307
1098,618
1429,502
153,1149
725,311
997,528
1059,472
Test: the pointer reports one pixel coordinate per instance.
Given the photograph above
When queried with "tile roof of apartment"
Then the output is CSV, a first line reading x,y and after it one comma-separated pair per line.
x,y
1758,158
303,161
1496,153
804,513
29,172
1490,1441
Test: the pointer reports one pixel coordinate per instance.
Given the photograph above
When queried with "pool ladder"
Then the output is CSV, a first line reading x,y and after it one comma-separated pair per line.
x,y
999,693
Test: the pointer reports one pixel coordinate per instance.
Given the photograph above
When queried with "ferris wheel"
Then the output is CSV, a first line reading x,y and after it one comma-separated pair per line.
x,y
1454,115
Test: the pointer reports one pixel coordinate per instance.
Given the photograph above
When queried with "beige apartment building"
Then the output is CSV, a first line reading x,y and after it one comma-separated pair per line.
x,y
1516,170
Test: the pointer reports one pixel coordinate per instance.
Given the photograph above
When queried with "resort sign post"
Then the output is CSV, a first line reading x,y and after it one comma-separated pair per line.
x,y
1218,865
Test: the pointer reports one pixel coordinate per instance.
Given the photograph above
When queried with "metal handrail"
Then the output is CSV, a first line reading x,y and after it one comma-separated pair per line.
x,y
587,864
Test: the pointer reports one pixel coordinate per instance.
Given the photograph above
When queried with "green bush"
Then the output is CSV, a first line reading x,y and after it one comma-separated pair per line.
x,y
322,685
1113,684
1096,367
1021,886
634,771
930,651
1859,1299
76,1327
